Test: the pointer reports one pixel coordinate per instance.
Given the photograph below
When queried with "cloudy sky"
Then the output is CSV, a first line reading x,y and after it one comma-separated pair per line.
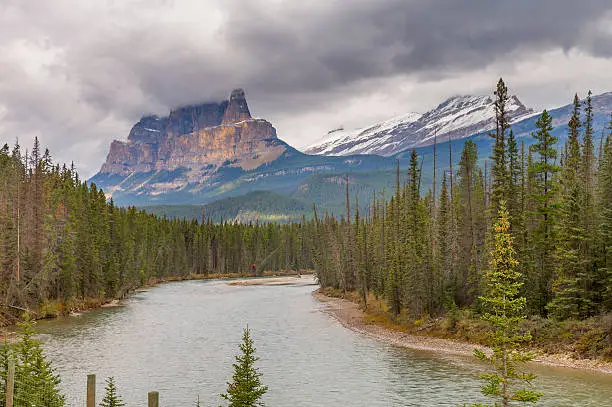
x,y
79,73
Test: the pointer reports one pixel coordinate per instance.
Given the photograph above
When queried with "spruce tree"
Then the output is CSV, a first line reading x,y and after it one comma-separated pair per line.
x,y
40,384
513,185
504,312
571,299
604,203
111,397
245,389
444,256
499,171
543,170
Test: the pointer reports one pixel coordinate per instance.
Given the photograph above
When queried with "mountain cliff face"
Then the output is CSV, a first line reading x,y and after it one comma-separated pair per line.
x,y
455,118
196,138
203,152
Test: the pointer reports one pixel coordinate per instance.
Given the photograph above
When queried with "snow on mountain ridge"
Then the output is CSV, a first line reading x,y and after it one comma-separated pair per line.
x,y
363,138
456,117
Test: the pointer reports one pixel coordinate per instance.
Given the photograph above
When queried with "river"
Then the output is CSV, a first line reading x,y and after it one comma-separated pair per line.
x,y
180,339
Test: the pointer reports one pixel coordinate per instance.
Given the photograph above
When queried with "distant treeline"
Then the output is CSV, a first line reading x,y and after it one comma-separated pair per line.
x,y
256,206
426,255
62,239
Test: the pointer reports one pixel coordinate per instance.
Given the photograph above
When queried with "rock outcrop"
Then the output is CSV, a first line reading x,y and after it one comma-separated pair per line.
x,y
196,138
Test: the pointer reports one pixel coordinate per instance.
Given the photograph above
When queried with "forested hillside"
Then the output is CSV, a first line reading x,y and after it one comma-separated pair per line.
x,y
426,255
61,241
257,206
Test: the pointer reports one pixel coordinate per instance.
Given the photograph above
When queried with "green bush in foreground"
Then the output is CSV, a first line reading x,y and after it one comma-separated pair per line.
x,y
111,397
36,383
246,389
505,311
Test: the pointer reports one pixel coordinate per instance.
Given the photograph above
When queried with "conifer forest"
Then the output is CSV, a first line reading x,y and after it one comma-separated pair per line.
x,y
427,254
424,254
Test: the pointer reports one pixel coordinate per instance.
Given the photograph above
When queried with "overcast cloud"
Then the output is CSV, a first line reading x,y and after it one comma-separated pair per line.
x,y
78,74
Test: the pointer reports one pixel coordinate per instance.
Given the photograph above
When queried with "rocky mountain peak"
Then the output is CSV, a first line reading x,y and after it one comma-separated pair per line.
x,y
237,110
198,138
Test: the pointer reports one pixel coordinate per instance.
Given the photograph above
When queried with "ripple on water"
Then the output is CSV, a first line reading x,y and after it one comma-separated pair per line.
x,y
180,339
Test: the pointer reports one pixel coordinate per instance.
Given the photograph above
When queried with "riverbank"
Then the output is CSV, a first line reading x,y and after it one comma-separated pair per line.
x,y
349,314
78,306
301,279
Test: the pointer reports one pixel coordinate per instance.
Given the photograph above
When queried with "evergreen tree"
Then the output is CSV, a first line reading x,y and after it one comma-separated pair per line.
x,y
571,299
543,171
604,203
514,180
40,384
499,171
246,389
111,397
504,311
444,255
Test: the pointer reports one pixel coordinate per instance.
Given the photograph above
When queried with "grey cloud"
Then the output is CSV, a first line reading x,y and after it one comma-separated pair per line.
x,y
118,62
381,38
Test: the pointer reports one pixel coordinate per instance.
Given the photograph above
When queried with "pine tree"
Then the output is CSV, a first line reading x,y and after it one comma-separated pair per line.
x,y
514,179
111,397
444,255
34,370
499,171
246,389
544,216
505,311
571,299
604,204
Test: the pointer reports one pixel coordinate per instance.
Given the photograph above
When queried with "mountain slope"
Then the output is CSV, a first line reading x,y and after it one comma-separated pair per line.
x,y
215,167
455,118
202,153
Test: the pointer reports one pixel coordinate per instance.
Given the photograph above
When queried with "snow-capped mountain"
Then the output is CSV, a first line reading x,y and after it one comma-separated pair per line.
x,y
457,117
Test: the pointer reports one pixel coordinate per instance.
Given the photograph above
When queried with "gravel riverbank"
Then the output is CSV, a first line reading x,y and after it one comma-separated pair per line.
x,y
351,316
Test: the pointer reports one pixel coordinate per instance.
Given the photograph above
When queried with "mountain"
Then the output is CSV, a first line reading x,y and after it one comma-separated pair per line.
x,y
195,141
200,153
456,118
204,153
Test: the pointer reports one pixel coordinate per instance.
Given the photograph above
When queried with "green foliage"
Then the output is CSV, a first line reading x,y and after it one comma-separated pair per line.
x,y
570,297
499,173
505,311
262,206
543,215
76,245
427,254
245,389
36,383
111,397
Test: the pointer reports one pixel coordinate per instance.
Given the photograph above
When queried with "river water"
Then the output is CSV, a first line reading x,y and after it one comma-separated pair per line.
x,y
180,339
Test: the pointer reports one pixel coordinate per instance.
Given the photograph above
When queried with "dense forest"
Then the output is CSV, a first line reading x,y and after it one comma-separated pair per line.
x,y
62,240
426,254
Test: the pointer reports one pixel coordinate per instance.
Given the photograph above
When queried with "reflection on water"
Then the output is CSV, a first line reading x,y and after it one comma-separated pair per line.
x,y
180,339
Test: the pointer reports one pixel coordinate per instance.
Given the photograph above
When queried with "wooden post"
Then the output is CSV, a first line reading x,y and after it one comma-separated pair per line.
x,y
153,399
10,383
91,390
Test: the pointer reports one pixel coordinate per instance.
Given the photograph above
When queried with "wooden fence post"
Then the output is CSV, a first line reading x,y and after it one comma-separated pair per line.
x,y
10,383
91,390
153,399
